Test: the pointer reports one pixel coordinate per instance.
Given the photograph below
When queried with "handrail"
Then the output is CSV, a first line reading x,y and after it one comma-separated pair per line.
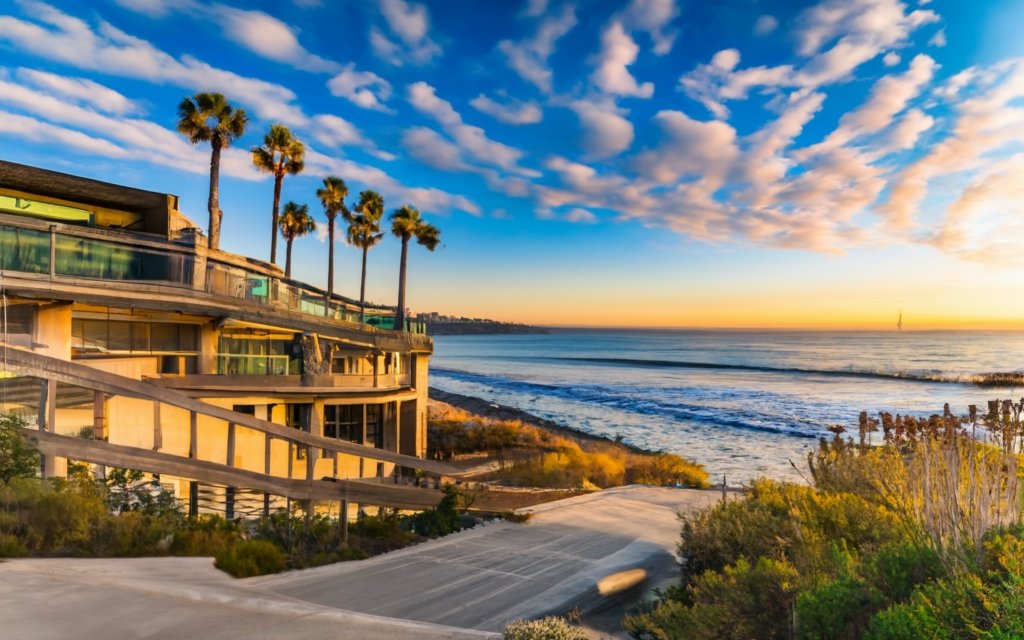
x,y
137,257
29,363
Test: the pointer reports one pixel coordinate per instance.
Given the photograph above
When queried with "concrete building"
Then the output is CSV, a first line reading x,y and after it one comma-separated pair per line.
x,y
129,343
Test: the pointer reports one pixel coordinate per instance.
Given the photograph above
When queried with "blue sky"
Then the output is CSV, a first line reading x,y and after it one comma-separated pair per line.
x,y
641,162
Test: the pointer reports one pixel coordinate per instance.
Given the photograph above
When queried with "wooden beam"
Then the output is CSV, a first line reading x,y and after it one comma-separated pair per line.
x,y
205,471
34,364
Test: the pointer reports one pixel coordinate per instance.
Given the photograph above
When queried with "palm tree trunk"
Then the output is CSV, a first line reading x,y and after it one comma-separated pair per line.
x,y
274,218
213,231
288,260
362,288
330,256
400,311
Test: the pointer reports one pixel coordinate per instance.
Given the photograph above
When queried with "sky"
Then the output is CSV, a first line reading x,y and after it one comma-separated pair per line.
x,y
662,163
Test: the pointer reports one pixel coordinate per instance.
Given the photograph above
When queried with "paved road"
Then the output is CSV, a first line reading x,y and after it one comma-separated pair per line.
x,y
485,577
170,599
460,587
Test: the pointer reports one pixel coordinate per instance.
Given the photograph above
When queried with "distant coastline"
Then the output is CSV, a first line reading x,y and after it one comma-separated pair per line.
x,y
468,327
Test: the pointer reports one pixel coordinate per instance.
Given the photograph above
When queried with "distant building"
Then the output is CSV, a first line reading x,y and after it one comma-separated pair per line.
x,y
206,367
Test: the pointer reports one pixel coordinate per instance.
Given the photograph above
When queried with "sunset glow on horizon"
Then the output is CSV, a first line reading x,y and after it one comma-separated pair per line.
x,y
637,163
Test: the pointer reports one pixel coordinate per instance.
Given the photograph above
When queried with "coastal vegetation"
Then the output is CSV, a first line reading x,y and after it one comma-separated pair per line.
x,y
125,515
295,222
332,196
209,117
921,536
280,154
406,224
526,455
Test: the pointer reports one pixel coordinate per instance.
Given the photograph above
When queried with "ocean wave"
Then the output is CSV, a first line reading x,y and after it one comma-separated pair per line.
x,y
997,379
644,403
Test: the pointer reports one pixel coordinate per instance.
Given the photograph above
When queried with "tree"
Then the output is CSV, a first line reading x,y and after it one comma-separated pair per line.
x,y
406,224
364,232
281,154
295,222
209,117
332,197
18,459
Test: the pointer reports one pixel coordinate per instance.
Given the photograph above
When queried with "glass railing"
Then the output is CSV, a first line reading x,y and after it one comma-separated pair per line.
x,y
28,250
260,365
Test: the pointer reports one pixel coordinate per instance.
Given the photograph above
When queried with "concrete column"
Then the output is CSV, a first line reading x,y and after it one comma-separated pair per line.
x,y
193,434
158,428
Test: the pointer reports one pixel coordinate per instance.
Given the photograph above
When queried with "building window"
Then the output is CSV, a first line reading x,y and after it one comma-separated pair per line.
x,y
258,353
344,422
119,336
375,425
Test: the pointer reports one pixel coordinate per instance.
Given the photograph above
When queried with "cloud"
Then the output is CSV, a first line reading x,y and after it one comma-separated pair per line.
x,y
891,59
81,90
909,129
431,148
52,119
605,132
688,148
268,37
153,8
60,37
529,57
427,199
580,215
888,97
472,140
513,111
338,132
362,88
409,22
939,39
653,17
765,24
535,8
857,30
618,51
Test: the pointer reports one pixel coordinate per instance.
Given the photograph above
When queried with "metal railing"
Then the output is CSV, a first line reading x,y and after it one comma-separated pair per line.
x,y
32,246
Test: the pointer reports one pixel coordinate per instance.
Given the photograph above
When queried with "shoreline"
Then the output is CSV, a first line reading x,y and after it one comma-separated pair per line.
x,y
495,411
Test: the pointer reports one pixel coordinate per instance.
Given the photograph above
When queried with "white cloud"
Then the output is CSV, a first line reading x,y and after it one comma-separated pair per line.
x,y
618,51
605,132
939,39
529,58
471,139
268,37
689,148
909,129
431,148
580,215
891,59
857,30
80,89
512,111
410,23
765,24
535,8
653,17
153,8
63,38
338,132
889,97
363,88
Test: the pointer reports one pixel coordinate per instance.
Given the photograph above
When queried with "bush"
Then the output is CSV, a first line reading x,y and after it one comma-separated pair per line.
x,y
441,520
205,536
18,459
251,558
550,628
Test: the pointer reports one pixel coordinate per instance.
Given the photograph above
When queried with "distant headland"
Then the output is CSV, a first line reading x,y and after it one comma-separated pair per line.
x,y
442,325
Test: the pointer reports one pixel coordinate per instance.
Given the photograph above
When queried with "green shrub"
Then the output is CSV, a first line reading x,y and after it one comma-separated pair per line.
x,y
441,520
837,610
11,546
550,628
251,558
18,459
205,536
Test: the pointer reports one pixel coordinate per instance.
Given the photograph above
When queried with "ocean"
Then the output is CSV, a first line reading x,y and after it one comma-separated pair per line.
x,y
743,403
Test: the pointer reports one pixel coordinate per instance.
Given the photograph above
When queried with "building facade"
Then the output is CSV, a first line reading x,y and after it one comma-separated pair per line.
x,y
117,280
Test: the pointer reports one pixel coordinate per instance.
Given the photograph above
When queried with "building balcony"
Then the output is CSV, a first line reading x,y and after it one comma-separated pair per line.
x,y
275,384
119,259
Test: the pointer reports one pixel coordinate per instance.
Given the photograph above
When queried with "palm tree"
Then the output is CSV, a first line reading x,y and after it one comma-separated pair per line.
x,y
406,224
364,232
210,117
295,223
332,197
280,154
